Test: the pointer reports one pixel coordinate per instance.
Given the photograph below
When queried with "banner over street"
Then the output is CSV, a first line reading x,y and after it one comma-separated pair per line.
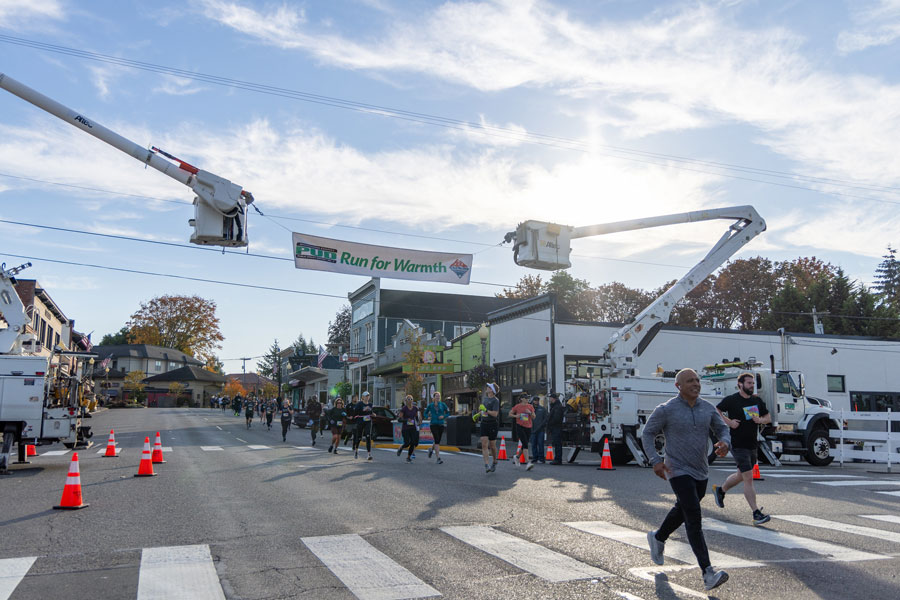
x,y
338,256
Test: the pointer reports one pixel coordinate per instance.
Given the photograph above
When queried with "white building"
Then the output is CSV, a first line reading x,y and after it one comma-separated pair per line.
x,y
530,340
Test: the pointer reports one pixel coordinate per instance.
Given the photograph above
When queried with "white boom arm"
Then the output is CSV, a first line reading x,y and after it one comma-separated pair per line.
x,y
220,207
12,311
546,246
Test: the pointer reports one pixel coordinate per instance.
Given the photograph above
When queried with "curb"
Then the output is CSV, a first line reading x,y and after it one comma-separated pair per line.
x,y
443,447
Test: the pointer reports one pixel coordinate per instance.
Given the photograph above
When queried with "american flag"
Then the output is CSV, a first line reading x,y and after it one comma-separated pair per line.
x,y
322,355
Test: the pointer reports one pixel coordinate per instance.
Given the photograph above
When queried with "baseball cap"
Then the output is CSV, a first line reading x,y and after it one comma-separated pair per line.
x,y
535,399
494,387
365,393
554,395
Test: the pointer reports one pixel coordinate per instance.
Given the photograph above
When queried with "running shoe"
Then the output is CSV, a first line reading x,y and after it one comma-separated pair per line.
x,y
487,469
331,447
529,466
408,459
493,466
440,462
713,579
430,451
335,451
657,548
399,450
759,517
314,442
719,496
370,457
413,455
356,454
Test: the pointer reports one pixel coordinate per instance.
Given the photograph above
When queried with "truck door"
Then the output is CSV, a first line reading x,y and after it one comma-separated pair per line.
x,y
788,400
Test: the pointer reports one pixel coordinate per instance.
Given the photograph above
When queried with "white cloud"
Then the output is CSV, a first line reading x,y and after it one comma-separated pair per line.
x,y
17,15
57,283
178,86
874,24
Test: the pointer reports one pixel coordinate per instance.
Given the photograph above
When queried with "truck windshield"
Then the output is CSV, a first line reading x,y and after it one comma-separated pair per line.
x,y
785,385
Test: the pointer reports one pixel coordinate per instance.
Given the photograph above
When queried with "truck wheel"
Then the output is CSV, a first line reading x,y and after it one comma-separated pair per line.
x,y
817,448
710,450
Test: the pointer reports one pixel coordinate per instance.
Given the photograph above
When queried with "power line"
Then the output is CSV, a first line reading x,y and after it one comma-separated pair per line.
x,y
468,126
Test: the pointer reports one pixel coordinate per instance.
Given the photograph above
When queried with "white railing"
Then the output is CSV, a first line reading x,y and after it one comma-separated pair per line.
x,y
875,443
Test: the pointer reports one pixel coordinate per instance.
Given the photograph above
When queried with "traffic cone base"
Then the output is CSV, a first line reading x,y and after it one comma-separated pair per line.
x,y
157,456
520,454
71,496
146,467
501,454
606,461
756,475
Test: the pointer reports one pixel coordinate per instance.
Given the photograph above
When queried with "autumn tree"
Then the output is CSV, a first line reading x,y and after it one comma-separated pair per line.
x,y
617,303
119,338
185,323
269,390
527,287
176,389
234,388
214,365
339,329
134,383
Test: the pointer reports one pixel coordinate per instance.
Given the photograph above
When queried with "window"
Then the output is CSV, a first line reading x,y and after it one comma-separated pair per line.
x,y
354,340
363,309
158,366
49,341
836,383
56,339
458,330
369,330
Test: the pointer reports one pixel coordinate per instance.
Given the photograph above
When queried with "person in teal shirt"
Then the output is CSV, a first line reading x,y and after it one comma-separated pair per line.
x,y
436,412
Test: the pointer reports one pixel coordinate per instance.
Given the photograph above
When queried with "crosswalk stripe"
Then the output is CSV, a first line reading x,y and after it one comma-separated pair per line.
x,y
55,453
875,482
808,476
103,451
786,540
307,448
528,556
897,493
845,527
178,573
885,518
166,448
12,571
210,448
255,447
366,571
674,549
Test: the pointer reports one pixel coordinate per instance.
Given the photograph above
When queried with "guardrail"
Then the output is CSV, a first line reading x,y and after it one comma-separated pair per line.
x,y
877,444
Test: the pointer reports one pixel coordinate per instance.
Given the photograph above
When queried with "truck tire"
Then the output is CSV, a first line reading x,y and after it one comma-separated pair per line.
x,y
711,449
817,448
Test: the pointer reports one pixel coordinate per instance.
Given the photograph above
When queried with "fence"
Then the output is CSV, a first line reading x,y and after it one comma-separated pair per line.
x,y
871,441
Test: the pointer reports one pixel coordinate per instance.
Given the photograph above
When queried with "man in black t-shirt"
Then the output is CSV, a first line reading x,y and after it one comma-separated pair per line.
x,y
743,412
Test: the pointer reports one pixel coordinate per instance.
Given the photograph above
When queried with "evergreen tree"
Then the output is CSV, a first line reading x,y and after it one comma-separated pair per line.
x,y
887,278
270,364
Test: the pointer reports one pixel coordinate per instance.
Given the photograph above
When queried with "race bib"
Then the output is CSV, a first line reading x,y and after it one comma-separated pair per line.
x,y
524,416
367,418
339,423
410,421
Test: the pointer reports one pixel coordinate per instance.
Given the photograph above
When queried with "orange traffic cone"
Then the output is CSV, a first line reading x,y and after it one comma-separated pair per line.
x,y
30,450
71,496
756,475
521,454
501,455
146,467
606,461
549,453
157,451
111,445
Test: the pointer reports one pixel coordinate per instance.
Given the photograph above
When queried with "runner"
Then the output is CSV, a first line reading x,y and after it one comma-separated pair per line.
x,y
314,411
743,412
523,413
363,429
336,418
350,431
236,404
554,426
270,413
538,425
286,415
436,412
489,414
409,416
685,420
248,412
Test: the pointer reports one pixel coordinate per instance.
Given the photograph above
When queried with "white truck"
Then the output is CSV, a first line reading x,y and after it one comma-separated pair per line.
x,y
623,398
41,399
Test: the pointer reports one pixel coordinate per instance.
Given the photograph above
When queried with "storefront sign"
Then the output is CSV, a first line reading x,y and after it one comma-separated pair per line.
x,y
338,256
432,368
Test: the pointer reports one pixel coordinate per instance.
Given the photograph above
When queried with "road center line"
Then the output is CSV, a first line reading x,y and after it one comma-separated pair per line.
x,y
851,482
12,571
178,573
219,428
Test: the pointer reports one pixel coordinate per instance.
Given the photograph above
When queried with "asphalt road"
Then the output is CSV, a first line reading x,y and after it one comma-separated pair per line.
x,y
222,519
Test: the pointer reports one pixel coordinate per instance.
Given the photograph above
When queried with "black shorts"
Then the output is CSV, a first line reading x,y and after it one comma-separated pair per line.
x,y
745,458
437,432
523,434
489,430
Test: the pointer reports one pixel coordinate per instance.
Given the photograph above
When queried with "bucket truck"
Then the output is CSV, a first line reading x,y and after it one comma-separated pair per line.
x,y
625,399
41,397
220,206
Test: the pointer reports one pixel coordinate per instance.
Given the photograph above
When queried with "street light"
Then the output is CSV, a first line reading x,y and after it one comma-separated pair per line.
x,y
483,333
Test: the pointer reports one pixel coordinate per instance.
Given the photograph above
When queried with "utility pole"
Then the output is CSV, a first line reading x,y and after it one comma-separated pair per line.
x,y
244,370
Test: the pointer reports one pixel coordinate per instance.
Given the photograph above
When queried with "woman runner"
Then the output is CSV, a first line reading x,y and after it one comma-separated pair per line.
x,y
363,429
270,413
336,418
523,413
409,416
436,412
248,412
286,415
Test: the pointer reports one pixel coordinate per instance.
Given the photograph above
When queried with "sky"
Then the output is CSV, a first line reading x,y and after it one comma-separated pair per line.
x,y
438,126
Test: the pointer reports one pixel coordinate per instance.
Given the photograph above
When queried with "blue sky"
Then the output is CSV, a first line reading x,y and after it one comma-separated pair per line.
x,y
650,108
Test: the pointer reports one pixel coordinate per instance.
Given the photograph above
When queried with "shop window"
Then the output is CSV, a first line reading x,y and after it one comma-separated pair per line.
x,y
835,383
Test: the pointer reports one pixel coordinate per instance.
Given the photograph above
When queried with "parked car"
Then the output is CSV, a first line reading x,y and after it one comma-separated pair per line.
x,y
382,422
301,419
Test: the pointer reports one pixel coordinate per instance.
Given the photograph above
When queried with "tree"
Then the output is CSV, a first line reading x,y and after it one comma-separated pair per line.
x,y
413,357
270,365
527,287
214,365
743,291
339,329
574,295
119,338
185,323
134,383
269,390
234,388
887,278
618,303
176,388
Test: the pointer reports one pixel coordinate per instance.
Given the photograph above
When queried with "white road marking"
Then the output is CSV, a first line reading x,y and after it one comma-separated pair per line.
x,y
240,440
255,447
885,518
55,453
811,476
767,471
103,451
210,448
219,428
649,574
166,448
785,540
12,571
897,493
178,573
845,527
875,482
674,549
307,448
528,556
366,571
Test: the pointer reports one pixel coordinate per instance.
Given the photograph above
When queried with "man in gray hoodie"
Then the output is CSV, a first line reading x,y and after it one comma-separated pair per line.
x,y
685,420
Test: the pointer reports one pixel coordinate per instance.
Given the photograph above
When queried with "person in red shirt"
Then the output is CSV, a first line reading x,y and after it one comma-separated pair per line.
x,y
523,413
